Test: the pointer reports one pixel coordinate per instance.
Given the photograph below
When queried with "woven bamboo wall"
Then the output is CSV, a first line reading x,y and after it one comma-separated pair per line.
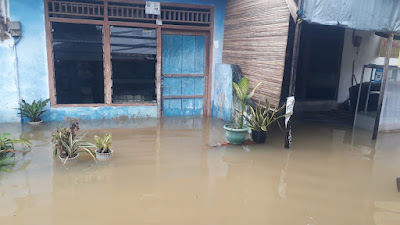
x,y
255,38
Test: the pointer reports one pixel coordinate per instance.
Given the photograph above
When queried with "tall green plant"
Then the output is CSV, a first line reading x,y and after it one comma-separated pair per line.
x,y
33,111
242,90
263,116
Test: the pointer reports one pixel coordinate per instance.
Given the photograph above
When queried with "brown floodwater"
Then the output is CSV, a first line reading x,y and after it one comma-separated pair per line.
x,y
164,172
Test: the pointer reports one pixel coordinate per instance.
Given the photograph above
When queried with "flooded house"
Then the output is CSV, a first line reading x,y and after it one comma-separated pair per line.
x,y
157,77
132,59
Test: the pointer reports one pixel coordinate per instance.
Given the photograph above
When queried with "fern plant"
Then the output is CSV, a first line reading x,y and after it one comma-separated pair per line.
x,y
33,111
103,144
242,90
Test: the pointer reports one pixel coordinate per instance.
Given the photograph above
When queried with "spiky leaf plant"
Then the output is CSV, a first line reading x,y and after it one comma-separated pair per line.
x,y
72,146
263,117
68,143
243,93
33,111
103,144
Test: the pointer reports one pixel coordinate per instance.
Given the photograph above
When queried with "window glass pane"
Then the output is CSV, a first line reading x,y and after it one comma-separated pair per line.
x,y
78,63
133,53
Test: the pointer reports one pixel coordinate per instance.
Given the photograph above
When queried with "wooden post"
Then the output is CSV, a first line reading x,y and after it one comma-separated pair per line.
x,y
107,57
158,71
293,73
50,57
383,86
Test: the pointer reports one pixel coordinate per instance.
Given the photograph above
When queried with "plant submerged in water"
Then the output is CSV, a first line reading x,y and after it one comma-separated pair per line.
x,y
242,90
7,150
33,111
103,144
68,143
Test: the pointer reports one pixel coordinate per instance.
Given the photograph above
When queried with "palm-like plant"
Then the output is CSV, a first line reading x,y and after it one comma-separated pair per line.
x,y
103,144
33,111
264,116
243,93
7,149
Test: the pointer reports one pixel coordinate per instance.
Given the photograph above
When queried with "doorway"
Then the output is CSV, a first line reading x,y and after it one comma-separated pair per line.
x,y
320,60
184,73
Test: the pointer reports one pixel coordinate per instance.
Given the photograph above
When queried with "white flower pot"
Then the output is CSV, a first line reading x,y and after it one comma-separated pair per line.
x,y
35,123
69,160
103,156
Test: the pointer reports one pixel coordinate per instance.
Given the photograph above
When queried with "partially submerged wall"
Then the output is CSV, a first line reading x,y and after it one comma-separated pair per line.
x,y
256,33
222,103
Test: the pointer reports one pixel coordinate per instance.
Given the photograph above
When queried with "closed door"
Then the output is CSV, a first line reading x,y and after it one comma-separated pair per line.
x,y
183,74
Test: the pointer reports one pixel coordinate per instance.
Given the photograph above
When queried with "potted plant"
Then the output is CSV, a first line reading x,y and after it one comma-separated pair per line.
x,y
7,150
236,133
68,144
33,111
103,147
261,118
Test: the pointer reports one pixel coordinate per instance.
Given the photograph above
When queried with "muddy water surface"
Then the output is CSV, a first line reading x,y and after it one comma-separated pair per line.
x,y
164,172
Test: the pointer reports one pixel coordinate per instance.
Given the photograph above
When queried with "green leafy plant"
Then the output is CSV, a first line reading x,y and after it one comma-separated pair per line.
x,y
7,150
263,117
33,111
68,143
72,146
243,93
103,144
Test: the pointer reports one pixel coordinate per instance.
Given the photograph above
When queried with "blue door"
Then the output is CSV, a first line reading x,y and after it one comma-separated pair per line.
x,y
183,74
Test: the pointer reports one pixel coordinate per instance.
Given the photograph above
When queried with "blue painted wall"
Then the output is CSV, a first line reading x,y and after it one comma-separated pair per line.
x,y
222,101
30,73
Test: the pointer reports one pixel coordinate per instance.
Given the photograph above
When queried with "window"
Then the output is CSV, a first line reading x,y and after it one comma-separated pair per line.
x,y
78,63
133,57
105,52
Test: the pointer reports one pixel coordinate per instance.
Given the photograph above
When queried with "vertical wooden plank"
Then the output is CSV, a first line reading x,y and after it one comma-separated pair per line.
x,y
199,60
172,54
199,106
172,86
188,54
188,87
207,108
188,107
175,108
165,106
383,86
50,57
158,71
107,57
199,85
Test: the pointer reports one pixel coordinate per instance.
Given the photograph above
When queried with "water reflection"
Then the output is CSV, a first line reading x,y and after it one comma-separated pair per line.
x,y
164,172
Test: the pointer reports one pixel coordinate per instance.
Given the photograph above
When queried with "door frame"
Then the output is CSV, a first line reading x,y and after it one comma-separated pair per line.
x,y
207,66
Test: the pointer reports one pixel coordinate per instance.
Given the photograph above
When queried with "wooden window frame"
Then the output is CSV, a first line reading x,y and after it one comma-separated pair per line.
x,y
106,23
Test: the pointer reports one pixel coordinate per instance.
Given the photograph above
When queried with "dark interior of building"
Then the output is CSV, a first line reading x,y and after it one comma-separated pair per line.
x,y
78,63
133,57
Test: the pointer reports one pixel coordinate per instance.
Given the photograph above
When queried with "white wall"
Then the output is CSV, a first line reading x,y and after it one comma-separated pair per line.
x,y
368,54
